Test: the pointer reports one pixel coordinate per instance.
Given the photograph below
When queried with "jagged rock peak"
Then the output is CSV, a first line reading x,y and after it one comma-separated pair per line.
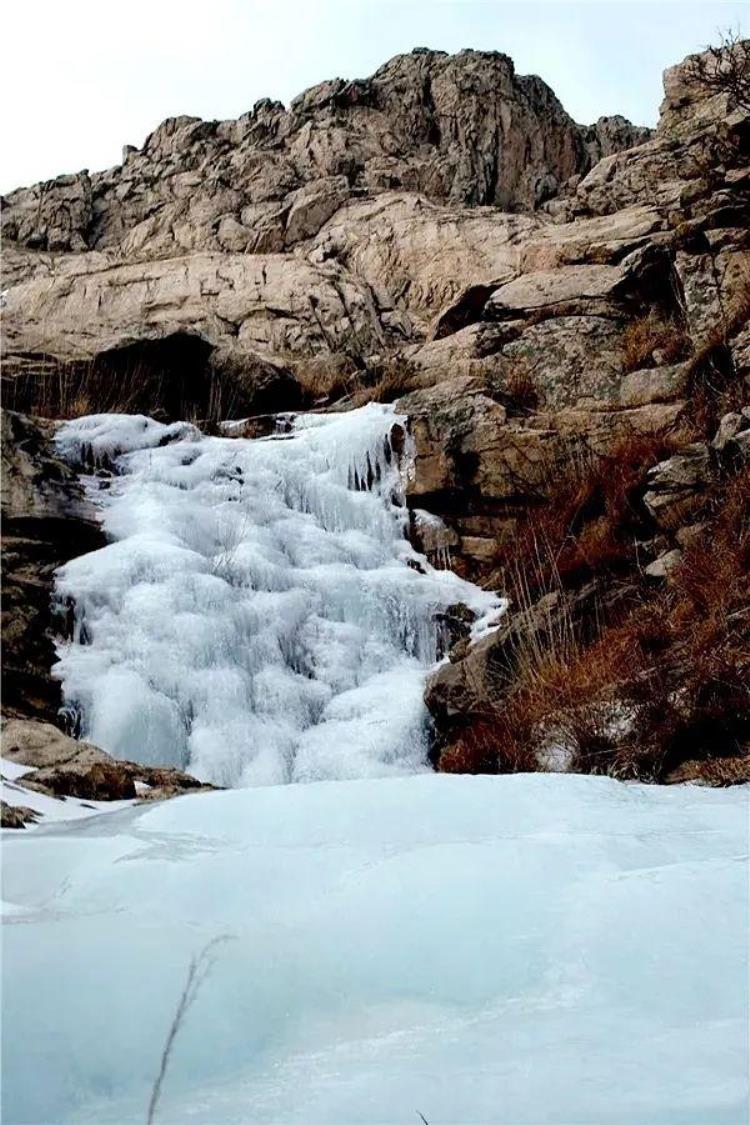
x,y
463,128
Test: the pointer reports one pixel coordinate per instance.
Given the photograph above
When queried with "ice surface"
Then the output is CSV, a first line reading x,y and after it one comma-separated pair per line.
x,y
256,619
527,950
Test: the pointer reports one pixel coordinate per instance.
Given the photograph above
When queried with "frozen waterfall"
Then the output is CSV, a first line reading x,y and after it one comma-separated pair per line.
x,y
259,616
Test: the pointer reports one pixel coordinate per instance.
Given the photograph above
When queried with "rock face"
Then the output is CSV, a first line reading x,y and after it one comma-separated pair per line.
x,y
372,220
546,293
337,227
46,521
463,128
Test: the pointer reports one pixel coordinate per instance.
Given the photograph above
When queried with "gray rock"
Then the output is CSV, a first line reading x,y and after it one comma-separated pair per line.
x,y
729,426
654,384
674,486
662,567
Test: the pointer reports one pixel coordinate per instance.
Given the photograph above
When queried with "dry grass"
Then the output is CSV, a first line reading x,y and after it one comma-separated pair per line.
x,y
516,386
331,381
666,680
652,341
391,380
647,680
324,379
588,520
52,388
56,389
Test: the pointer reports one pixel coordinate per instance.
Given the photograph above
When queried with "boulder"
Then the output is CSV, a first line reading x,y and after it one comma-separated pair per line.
x,y
63,767
663,566
729,427
43,746
16,816
675,486
583,289
654,384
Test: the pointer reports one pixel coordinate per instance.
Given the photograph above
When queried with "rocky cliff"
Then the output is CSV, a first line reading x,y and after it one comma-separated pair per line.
x,y
339,226
555,307
462,129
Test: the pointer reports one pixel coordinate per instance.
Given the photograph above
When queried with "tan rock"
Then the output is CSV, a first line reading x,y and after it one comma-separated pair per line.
x,y
43,746
64,767
729,426
591,286
654,384
663,566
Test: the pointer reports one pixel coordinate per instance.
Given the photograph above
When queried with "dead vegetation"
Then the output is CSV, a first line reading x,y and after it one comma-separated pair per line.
x,y
328,381
51,388
651,341
169,378
724,69
627,678
589,518
516,388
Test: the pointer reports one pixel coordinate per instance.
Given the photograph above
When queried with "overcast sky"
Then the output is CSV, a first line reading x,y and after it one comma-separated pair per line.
x,y
84,77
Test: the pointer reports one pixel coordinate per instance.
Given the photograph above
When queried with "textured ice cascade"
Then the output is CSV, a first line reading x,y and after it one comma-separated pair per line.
x,y
259,616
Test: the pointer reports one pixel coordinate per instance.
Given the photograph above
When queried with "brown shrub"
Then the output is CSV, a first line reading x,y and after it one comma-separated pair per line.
x,y
392,379
324,379
331,380
51,388
666,679
517,388
473,750
587,522
648,335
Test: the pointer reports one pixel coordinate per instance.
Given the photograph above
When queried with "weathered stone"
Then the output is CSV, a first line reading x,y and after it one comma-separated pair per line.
x,y
16,816
313,205
654,384
46,521
61,766
463,128
44,746
689,534
98,781
729,426
571,360
662,566
674,486
590,289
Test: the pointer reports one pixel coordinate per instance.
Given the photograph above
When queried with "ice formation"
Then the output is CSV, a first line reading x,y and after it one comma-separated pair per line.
x,y
494,950
259,616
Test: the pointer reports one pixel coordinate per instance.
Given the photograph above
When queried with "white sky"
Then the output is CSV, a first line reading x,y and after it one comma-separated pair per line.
x,y
84,77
